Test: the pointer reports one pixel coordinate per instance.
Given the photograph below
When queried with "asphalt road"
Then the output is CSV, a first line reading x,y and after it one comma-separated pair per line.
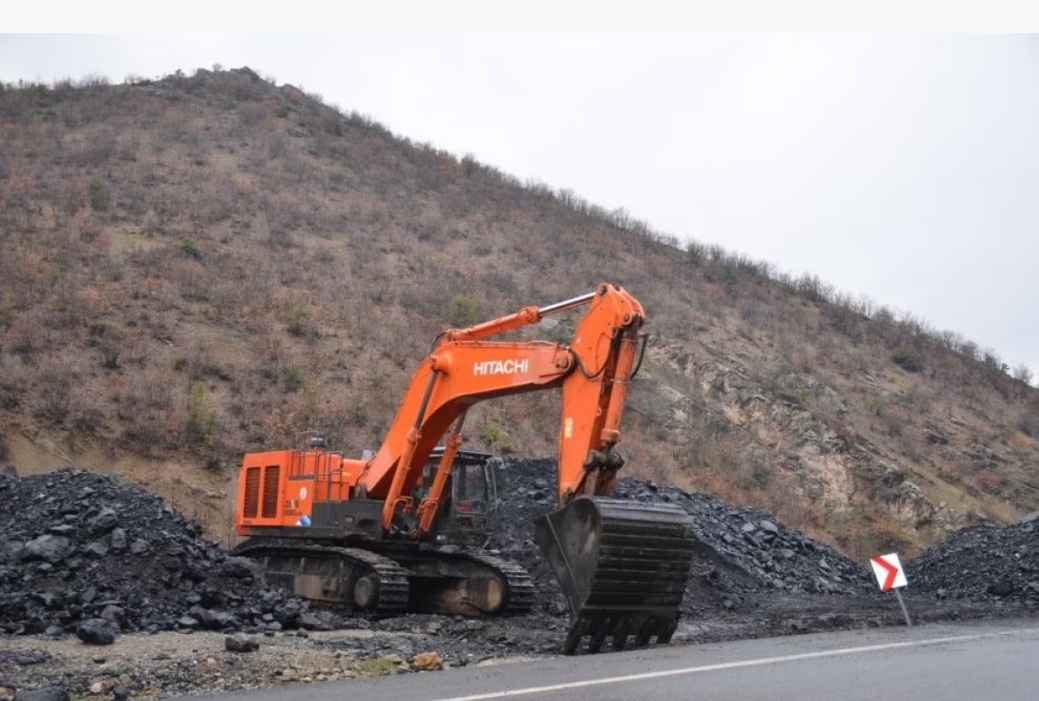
x,y
986,662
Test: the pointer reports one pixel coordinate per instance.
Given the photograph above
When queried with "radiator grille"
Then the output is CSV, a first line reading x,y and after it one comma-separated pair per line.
x,y
270,491
252,492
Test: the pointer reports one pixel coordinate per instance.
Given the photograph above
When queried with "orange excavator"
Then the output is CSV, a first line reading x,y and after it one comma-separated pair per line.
x,y
403,529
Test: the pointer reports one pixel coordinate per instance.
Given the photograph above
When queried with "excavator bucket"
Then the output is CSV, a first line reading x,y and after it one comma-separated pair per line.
x,y
623,565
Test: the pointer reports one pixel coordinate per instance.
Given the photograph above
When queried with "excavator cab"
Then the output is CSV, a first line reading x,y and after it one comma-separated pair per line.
x,y
471,512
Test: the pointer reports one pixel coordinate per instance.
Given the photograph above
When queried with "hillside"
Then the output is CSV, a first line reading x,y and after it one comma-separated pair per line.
x,y
198,266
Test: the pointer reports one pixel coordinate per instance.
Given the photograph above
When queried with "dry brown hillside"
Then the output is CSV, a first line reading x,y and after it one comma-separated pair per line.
x,y
198,266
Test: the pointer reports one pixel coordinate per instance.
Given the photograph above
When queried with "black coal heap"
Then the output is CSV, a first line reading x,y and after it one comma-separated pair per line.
x,y
77,546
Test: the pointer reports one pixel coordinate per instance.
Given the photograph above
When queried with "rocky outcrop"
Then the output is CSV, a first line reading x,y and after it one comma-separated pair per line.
x,y
795,427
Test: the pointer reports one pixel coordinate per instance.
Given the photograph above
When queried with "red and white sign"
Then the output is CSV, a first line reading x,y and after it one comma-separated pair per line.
x,y
889,571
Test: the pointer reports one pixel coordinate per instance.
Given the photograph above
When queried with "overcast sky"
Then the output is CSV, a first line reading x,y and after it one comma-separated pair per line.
x,y
900,167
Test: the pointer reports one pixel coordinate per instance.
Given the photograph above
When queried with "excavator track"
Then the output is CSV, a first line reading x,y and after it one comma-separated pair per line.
x,y
459,581
623,566
351,577
520,597
451,581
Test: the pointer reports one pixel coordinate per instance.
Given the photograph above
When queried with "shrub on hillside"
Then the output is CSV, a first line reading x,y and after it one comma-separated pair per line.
x,y
298,323
1028,424
98,194
201,423
907,360
294,378
496,439
463,311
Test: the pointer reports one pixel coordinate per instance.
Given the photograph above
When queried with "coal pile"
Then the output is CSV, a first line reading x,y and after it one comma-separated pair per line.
x,y
89,554
740,551
982,563
85,553
772,556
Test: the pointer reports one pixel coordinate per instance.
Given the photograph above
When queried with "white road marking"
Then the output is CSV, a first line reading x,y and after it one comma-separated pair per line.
x,y
732,665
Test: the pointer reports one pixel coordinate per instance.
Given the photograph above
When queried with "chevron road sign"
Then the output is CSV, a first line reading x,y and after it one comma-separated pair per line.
x,y
890,577
889,571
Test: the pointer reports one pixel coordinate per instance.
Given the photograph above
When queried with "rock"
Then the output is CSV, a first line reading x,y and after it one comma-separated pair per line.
x,y
1001,588
98,549
103,523
221,620
310,621
28,657
752,541
241,643
120,693
50,548
427,661
12,552
238,568
96,631
118,540
203,616
113,614
45,597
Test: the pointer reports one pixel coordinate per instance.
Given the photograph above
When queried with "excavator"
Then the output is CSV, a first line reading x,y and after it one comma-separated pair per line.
x,y
402,529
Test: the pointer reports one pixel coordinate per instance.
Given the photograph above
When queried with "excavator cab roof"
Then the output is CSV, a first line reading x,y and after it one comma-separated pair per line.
x,y
462,457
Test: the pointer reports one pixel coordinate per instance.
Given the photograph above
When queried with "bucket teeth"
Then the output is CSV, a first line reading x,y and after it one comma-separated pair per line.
x,y
623,566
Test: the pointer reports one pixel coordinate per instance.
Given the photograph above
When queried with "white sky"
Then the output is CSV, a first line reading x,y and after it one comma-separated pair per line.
x,y
903,167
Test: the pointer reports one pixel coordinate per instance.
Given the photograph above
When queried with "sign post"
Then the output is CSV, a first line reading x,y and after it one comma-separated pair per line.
x,y
890,576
